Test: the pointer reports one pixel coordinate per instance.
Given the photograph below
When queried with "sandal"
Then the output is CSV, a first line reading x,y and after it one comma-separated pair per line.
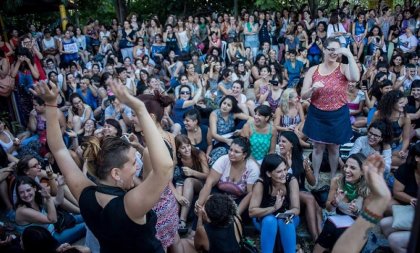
x,y
182,227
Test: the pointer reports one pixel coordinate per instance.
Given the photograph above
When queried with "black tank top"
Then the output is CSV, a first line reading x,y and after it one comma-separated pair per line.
x,y
222,239
115,231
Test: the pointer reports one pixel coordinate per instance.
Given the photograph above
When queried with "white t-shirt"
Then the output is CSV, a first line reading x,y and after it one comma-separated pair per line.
x,y
250,176
406,43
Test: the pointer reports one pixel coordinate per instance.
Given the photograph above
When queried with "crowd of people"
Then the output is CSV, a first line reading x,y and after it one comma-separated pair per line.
x,y
168,135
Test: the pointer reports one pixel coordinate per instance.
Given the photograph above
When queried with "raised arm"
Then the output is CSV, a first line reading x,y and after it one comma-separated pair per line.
x,y
143,197
75,178
376,203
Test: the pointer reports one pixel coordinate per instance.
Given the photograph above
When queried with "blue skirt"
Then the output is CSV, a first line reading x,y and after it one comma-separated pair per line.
x,y
331,127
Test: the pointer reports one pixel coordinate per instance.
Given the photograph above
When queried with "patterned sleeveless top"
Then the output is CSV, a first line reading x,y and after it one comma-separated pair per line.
x,y
333,95
260,142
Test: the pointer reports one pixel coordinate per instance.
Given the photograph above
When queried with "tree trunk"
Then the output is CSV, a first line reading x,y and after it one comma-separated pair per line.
x,y
235,8
120,9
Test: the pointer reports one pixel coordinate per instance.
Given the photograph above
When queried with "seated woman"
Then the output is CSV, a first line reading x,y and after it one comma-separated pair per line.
x,y
272,95
189,175
218,228
119,112
246,105
356,100
391,109
291,151
35,206
7,141
185,102
198,133
78,113
261,133
37,125
346,196
407,181
31,167
234,174
222,126
377,140
289,115
276,192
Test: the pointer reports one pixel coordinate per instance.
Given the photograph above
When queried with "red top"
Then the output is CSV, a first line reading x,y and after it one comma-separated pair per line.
x,y
333,95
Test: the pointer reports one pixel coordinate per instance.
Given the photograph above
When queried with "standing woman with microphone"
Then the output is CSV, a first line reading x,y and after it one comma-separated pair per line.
x,y
327,123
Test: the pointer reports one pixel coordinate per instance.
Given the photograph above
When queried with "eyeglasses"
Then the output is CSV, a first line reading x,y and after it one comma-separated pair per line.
x,y
185,93
374,135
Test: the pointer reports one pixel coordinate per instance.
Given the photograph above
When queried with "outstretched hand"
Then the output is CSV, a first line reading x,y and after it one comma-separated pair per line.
x,y
373,169
122,94
47,91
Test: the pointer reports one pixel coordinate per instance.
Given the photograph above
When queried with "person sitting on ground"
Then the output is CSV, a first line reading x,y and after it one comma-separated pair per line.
x,y
276,192
346,196
35,206
234,174
189,175
218,227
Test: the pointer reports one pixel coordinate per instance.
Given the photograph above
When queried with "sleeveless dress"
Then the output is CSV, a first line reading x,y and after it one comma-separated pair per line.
x,y
260,143
223,127
328,119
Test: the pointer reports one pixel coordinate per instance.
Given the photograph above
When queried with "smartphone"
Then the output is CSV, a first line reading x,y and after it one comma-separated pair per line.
x,y
125,138
284,215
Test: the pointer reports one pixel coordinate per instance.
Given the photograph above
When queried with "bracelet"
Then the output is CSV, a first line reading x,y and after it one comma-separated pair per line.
x,y
51,105
369,216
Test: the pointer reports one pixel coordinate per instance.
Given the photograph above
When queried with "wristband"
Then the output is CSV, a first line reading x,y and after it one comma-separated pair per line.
x,y
370,216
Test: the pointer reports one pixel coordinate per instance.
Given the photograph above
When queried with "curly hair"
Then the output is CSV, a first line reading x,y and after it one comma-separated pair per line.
x,y
220,209
387,103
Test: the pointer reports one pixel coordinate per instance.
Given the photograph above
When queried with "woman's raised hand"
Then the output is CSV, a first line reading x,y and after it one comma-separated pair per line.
x,y
47,91
123,95
373,169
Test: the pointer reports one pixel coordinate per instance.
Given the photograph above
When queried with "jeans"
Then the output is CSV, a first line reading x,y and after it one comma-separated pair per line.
x,y
127,52
71,235
314,59
269,225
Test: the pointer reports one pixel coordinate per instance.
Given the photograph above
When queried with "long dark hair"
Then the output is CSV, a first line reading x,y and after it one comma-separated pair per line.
x,y
411,158
27,180
195,153
23,165
297,156
235,107
269,164
38,239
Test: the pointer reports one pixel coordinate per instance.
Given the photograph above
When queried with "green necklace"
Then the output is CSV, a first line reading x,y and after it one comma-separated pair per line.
x,y
351,191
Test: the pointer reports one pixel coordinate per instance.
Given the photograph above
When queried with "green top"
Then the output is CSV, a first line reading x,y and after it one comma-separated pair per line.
x,y
260,142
